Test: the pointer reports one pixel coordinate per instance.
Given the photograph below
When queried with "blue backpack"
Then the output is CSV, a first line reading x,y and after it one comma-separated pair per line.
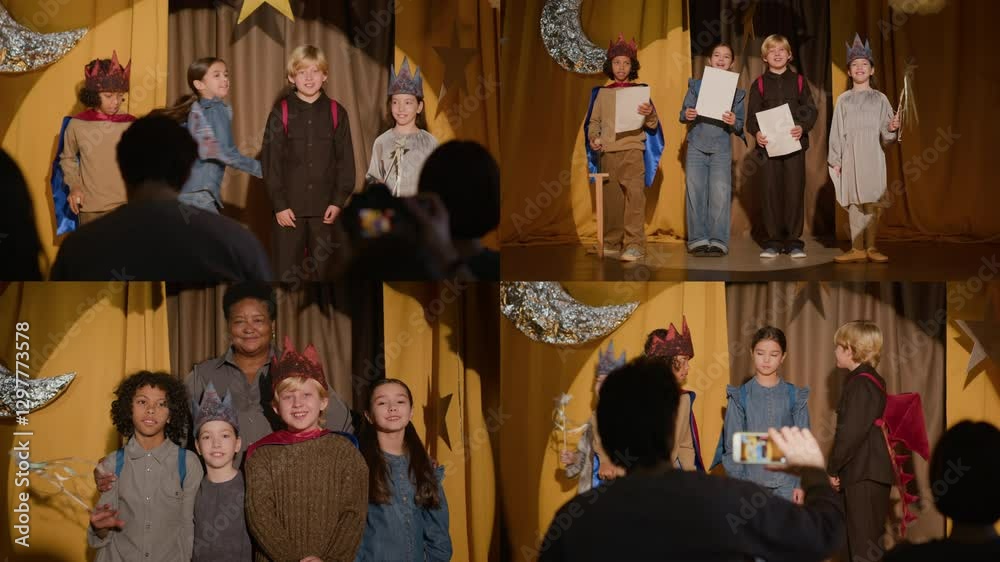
x,y
181,463
720,448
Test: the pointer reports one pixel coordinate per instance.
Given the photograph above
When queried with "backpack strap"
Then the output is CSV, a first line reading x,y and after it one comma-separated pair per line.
x,y
800,84
119,461
334,113
182,468
284,115
792,394
872,378
760,85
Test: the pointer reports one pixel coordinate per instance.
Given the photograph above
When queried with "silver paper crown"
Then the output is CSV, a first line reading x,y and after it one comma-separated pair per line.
x,y
405,82
606,360
212,408
859,50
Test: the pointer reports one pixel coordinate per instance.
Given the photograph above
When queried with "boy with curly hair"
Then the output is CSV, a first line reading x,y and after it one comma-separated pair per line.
x,y
156,480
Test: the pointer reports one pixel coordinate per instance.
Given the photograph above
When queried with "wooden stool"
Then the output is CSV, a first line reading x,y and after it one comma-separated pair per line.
x,y
599,179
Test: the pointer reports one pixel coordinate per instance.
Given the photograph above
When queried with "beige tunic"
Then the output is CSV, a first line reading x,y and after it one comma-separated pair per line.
x,y
96,173
683,454
860,119
397,160
602,125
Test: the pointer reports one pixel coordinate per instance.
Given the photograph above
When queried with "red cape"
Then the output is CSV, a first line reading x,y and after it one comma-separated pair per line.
x,y
285,437
95,115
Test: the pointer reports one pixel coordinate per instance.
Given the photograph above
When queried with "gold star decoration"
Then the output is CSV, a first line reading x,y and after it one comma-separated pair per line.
x,y
249,6
985,336
455,58
810,291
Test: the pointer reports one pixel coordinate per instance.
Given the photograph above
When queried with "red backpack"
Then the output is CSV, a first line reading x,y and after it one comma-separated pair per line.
x,y
284,114
902,423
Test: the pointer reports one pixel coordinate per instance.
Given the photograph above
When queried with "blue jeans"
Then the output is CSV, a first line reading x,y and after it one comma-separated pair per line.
x,y
201,199
709,197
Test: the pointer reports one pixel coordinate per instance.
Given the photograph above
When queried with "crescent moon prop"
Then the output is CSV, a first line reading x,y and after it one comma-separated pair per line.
x,y
28,394
23,50
565,40
546,313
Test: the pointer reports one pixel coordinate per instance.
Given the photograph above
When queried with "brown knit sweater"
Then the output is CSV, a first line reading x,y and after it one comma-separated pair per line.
x,y
307,499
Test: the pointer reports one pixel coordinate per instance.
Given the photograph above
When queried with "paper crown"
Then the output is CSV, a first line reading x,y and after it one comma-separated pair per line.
x,y
607,362
672,343
859,50
622,49
295,364
405,82
104,75
212,408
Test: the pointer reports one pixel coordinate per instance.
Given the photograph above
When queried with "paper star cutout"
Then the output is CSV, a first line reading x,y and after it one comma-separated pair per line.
x,y
985,336
455,58
810,291
249,6
34,393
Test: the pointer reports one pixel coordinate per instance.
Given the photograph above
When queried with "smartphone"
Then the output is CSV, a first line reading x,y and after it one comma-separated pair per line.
x,y
755,448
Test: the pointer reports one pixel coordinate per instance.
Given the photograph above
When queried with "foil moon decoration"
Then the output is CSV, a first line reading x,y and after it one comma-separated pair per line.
x,y
35,394
565,40
23,50
546,313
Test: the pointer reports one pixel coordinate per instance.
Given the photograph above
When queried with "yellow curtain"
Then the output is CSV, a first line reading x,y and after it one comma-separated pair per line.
x,y
547,197
438,340
533,481
101,331
456,45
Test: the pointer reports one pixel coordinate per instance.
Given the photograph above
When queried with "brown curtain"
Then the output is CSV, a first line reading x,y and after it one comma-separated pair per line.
x,y
938,175
340,320
912,318
744,26
358,44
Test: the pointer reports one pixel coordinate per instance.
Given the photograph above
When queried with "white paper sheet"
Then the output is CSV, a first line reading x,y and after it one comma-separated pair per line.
x,y
718,88
777,124
627,102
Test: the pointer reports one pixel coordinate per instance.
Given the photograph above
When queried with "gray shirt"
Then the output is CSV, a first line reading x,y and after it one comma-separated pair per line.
x,y
252,399
220,527
158,512
398,159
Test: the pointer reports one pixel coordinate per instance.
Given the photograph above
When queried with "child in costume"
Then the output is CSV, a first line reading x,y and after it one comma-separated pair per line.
x,y
210,121
860,466
862,116
86,183
677,349
784,176
307,487
308,164
589,463
407,509
631,158
149,512
220,529
708,168
767,400
399,153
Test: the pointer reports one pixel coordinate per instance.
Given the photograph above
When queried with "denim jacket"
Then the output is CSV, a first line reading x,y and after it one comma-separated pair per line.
x,y
402,530
211,124
710,135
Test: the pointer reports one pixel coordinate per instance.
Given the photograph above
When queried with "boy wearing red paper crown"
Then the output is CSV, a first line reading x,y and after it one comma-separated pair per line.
x,y
307,487
630,157
676,348
86,183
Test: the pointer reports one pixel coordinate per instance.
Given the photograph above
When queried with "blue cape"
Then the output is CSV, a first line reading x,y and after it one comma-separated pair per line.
x,y
66,219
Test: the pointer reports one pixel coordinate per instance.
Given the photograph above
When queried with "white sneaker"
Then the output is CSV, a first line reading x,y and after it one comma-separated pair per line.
x,y
769,253
797,254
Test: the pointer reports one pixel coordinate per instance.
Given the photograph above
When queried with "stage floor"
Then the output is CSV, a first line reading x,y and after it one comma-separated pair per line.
x,y
909,261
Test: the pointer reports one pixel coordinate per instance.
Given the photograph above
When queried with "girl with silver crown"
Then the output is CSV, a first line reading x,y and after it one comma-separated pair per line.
x,y
400,152
862,117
